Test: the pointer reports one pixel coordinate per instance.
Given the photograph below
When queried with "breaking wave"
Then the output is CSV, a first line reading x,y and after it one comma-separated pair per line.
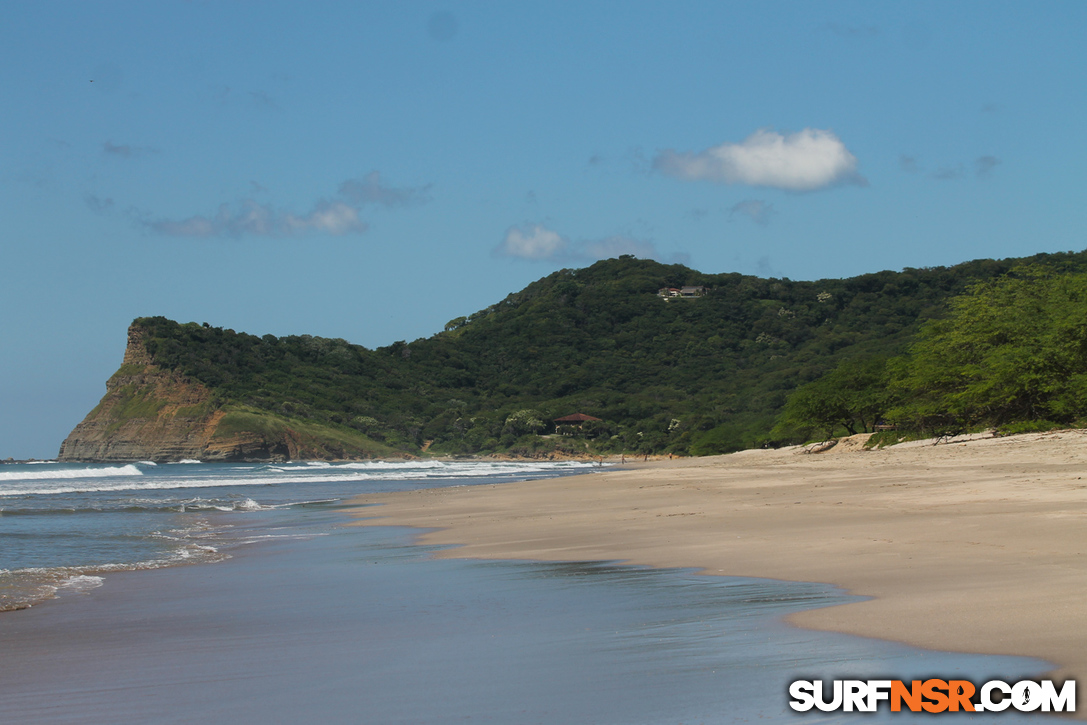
x,y
67,525
126,470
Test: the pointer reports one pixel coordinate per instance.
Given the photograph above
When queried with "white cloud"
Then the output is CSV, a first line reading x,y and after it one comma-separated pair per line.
x,y
539,243
536,242
804,161
370,190
617,246
252,218
330,217
336,216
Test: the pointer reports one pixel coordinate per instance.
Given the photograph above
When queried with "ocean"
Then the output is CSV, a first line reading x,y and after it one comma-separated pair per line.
x,y
236,593
64,526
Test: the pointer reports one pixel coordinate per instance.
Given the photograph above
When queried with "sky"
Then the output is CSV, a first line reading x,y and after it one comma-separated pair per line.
x,y
372,170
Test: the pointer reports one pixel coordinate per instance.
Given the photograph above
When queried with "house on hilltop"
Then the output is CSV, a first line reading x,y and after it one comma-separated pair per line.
x,y
687,292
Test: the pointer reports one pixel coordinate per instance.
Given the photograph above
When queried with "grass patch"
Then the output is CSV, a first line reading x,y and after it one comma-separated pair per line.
x,y
136,402
129,369
200,410
319,440
1028,426
237,422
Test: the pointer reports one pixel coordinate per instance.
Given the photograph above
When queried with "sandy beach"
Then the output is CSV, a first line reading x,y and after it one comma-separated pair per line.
x,y
972,546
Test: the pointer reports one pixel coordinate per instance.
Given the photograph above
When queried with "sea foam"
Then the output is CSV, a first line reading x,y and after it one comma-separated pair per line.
x,y
126,470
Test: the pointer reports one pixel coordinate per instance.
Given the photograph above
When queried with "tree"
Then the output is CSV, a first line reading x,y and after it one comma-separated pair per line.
x,y
523,422
1013,349
853,396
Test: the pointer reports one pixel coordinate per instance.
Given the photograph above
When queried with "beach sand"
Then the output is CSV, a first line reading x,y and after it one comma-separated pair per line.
x,y
972,546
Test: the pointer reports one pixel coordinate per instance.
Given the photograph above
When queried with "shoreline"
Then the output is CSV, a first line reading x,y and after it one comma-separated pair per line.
x,y
969,546
170,515
376,621
628,458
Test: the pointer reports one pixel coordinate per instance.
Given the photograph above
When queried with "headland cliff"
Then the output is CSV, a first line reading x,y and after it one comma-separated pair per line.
x,y
154,414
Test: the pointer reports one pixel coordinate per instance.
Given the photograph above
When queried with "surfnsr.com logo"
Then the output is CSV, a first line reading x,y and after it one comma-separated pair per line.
x,y
932,696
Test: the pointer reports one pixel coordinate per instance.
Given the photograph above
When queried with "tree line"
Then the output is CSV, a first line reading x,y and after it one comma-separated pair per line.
x,y
753,362
1011,354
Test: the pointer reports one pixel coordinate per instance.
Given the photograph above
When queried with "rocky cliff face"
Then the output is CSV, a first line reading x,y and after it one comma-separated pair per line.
x,y
152,414
147,413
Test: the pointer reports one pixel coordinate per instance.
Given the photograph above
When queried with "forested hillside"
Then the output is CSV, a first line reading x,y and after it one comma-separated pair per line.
x,y
692,376
1011,355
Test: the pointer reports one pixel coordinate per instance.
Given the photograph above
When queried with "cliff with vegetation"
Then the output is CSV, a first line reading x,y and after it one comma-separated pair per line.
x,y
158,414
147,413
748,362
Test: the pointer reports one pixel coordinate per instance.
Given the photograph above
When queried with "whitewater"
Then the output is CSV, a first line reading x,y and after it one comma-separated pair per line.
x,y
64,525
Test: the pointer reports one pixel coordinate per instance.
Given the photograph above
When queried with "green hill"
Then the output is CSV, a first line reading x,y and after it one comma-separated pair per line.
x,y
698,375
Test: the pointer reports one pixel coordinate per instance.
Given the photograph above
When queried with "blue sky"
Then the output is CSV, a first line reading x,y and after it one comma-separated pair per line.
x,y
372,170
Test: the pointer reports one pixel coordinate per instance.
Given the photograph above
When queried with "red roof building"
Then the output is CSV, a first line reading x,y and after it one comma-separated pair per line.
x,y
575,418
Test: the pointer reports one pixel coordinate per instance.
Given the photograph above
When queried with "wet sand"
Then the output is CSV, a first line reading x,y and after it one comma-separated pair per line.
x,y
332,624
976,546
